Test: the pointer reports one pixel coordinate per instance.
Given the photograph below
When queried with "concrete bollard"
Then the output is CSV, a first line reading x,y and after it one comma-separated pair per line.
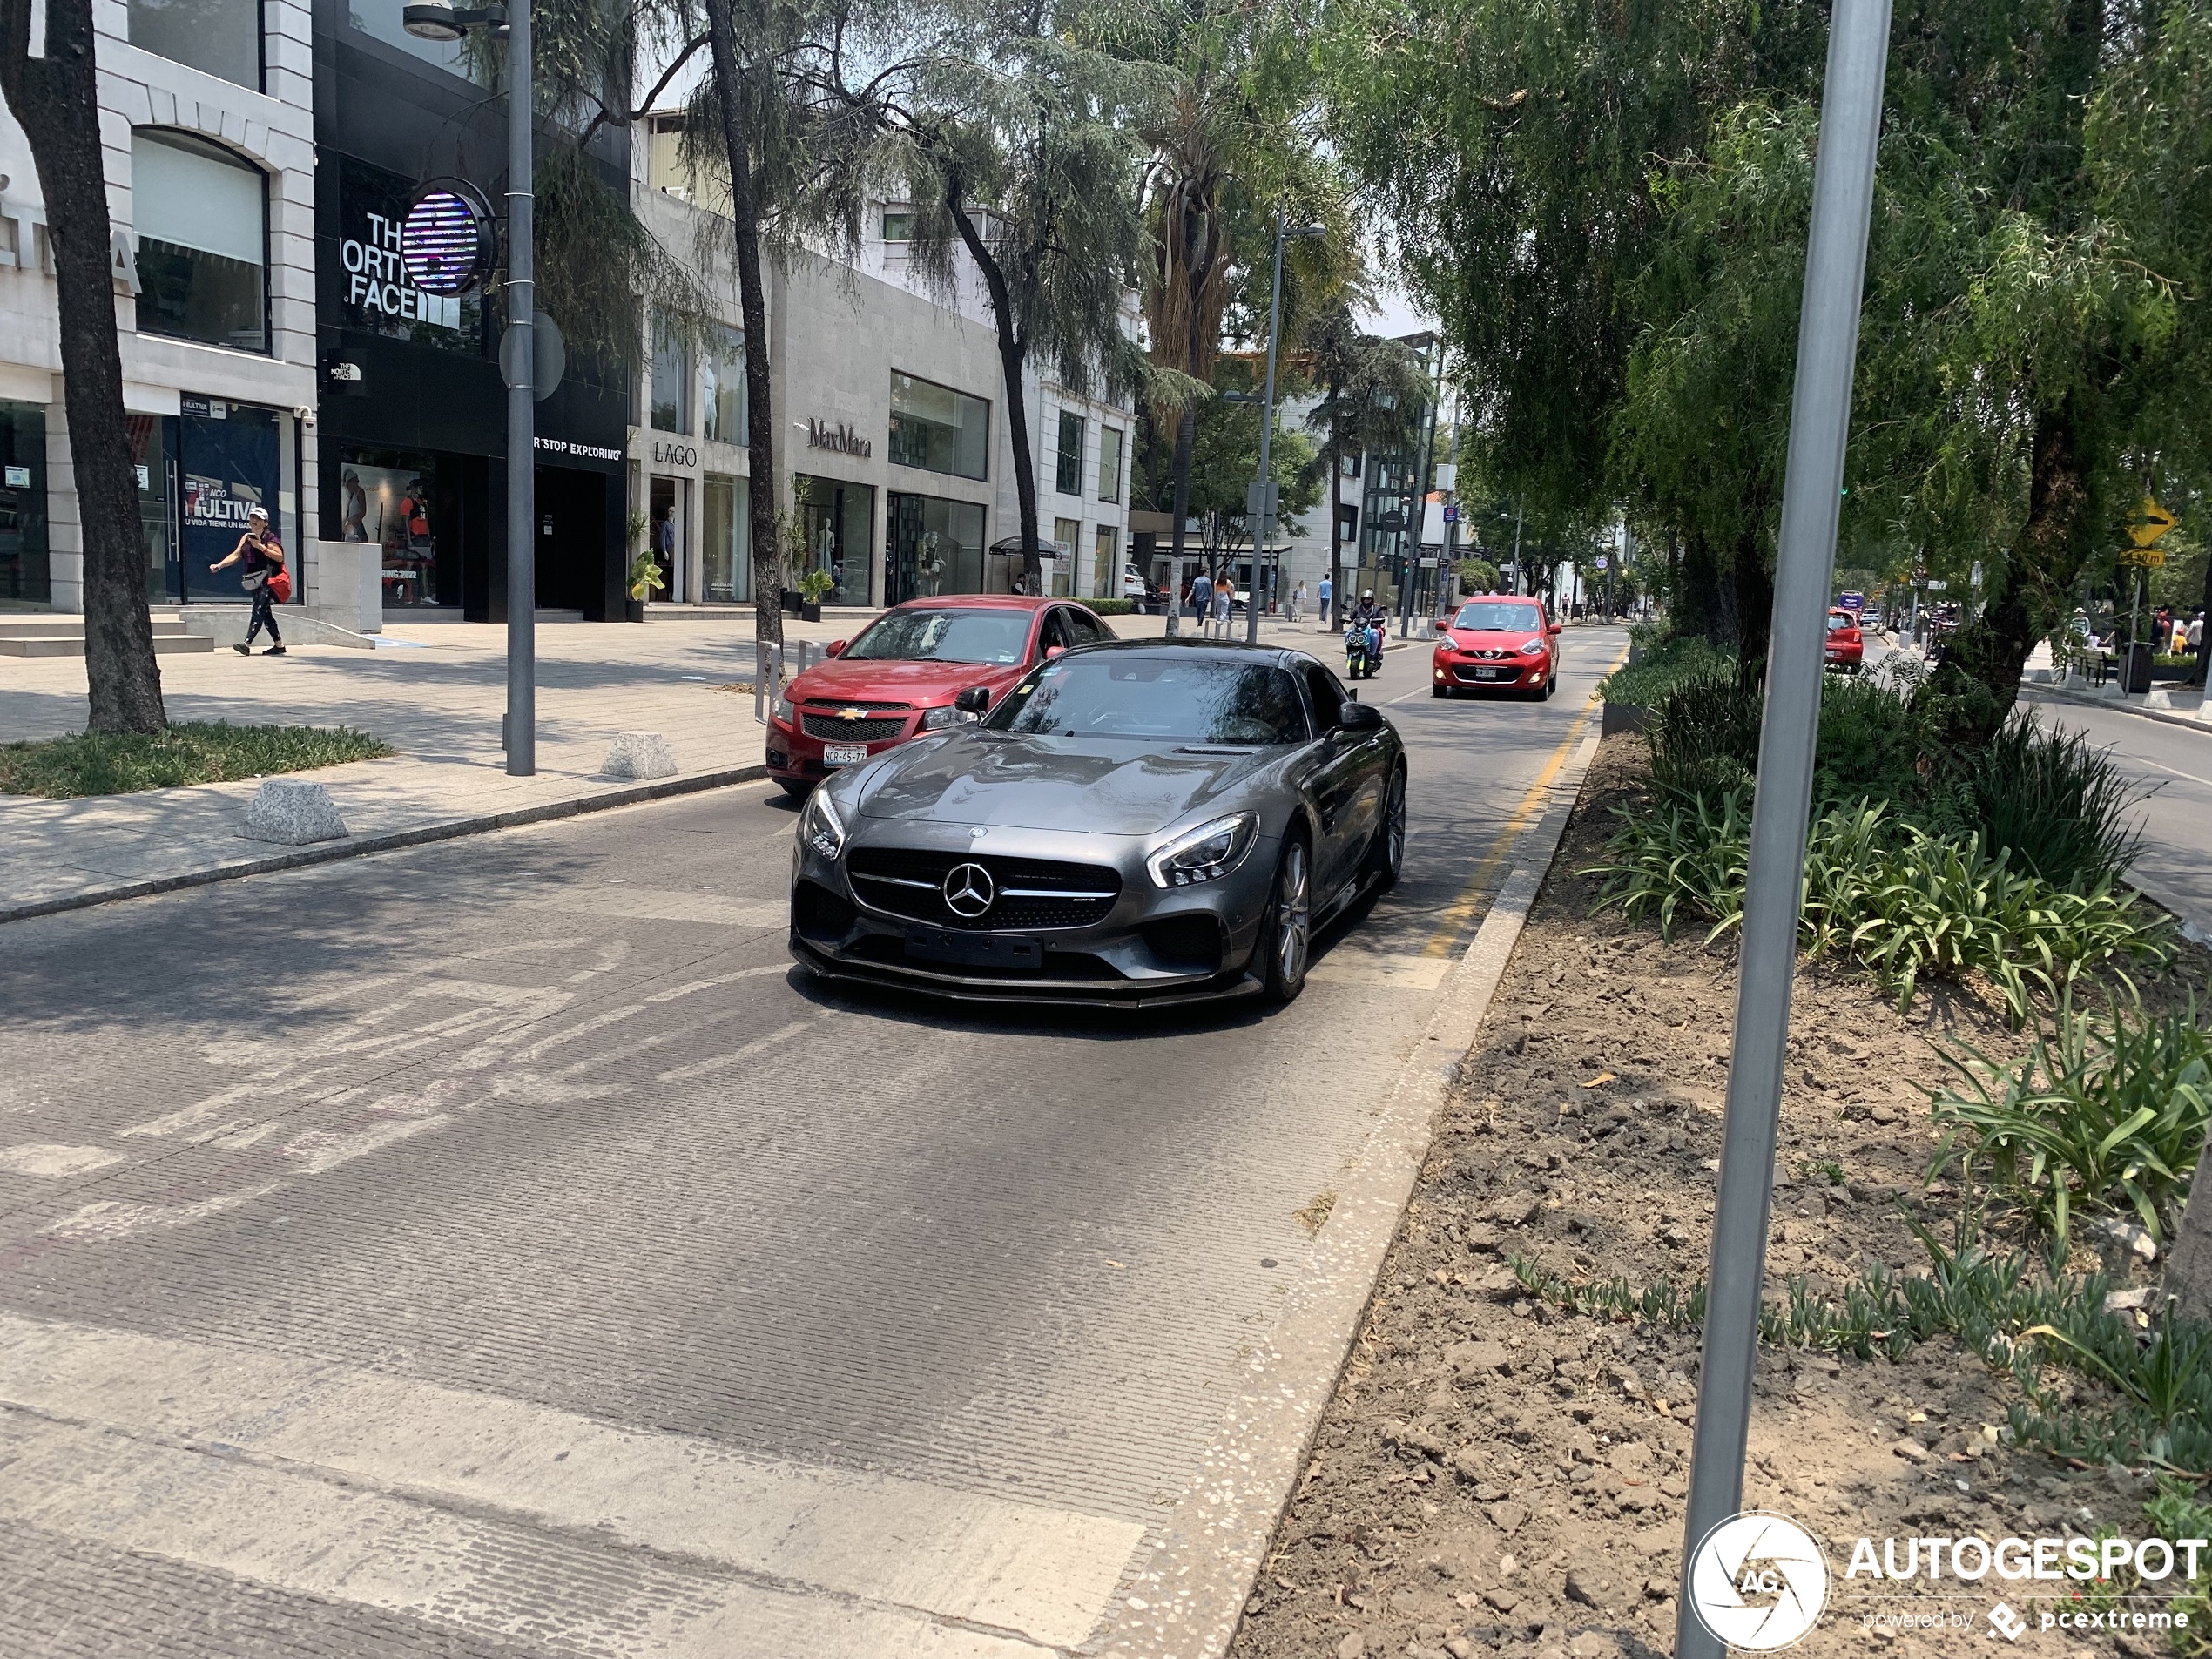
x,y
2158,697
639,754
292,812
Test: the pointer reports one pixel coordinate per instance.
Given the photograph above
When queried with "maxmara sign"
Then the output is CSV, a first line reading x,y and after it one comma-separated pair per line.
x,y
820,434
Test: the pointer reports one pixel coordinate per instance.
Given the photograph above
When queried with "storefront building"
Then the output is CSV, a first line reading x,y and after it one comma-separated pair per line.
x,y
413,497
211,171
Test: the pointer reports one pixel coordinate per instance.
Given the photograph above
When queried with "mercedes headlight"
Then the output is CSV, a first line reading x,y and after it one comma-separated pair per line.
x,y
1205,853
941,719
781,710
820,828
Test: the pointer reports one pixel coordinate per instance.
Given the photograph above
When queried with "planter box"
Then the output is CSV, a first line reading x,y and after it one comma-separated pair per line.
x,y
1624,717
793,604
633,611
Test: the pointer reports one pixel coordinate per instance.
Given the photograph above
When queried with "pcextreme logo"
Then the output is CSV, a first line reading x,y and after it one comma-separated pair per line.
x,y
1758,1582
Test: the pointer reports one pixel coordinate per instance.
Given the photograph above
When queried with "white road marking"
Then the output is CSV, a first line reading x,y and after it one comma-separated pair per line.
x,y
691,987
701,1067
654,904
335,1481
2142,761
121,1217
321,1149
55,1162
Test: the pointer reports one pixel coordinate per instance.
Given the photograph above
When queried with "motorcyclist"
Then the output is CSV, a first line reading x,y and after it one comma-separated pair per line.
x,y
1368,618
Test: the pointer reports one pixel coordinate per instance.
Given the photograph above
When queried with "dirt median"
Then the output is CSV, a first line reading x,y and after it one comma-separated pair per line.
x,y
1494,1474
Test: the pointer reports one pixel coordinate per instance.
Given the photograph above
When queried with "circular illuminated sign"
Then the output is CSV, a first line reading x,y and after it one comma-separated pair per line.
x,y
446,241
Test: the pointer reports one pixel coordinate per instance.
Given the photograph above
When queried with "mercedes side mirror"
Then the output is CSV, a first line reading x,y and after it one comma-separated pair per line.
x,y
1354,715
974,700
836,648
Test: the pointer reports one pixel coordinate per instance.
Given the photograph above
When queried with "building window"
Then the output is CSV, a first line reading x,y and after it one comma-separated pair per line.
x,y
202,219
1068,473
836,523
1066,534
722,405
898,225
936,546
468,58
222,36
671,410
725,559
1106,577
935,428
1109,463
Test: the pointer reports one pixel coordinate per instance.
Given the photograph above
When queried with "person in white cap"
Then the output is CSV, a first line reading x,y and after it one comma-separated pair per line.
x,y
263,555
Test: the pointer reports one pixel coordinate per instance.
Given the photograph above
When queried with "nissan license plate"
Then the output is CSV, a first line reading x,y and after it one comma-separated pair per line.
x,y
844,754
1487,673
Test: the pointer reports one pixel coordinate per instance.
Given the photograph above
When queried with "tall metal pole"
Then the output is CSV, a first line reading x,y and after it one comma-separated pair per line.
x,y
522,434
1843,190
1264,525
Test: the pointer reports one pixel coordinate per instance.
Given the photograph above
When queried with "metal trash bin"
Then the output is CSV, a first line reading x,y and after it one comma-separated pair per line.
x,y
2135,667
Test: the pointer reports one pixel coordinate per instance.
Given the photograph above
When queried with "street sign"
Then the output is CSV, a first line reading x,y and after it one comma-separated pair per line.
x,y
1262,496
1851,602
2151,521
1391,522
1936,584
1603,562
2148,557
1451,512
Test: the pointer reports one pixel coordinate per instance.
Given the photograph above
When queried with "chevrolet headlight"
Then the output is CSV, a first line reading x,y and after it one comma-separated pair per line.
x,y
1205,853
781,710
941,719
820,828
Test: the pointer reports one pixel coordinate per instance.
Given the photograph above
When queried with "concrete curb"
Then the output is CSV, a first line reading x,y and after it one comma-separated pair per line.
x,y
1184,1599
2193,925
2057,695
390,840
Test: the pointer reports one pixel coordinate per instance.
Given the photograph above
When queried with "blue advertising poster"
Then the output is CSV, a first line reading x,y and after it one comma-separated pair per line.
x,y
228,463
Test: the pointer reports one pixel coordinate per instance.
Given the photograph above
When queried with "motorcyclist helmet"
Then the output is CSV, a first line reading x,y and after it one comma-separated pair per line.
x,y
1367,593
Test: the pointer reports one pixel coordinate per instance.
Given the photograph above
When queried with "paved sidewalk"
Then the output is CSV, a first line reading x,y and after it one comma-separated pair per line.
x,y
435,695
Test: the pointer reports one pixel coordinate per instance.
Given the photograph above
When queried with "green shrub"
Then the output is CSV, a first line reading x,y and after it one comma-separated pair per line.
x,y
1704,733
1908,905
1874,743
2099,1114
102,763
1109,607
1662,663
2059,807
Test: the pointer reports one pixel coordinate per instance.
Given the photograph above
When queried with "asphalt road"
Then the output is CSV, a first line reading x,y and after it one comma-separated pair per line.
x,y
497,1248
2173,766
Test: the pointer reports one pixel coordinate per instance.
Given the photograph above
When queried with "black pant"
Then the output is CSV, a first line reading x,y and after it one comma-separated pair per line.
x,y
264,616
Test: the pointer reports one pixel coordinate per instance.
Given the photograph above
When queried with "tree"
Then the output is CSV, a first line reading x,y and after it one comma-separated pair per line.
x,y
54,96
1372,393
1020,151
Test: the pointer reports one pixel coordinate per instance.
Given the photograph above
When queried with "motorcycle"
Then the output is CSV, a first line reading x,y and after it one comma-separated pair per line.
x,y
1362,651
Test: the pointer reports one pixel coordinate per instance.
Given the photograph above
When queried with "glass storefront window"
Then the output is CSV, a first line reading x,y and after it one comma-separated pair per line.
x,y
723,403
1109,463
229,462
153,456
1066,533
1105,571
671,409
202,220
24,573
935,428
1068,468
222,36
936,547
408,505
837,521
726,547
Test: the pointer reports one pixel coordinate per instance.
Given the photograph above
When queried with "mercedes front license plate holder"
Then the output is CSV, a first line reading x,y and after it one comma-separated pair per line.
x,y
975,950
844,754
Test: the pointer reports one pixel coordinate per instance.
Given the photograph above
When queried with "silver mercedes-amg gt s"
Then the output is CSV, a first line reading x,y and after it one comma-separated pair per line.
x,y
1135,824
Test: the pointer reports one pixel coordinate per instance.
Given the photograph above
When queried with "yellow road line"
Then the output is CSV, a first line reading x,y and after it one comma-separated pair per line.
x,y
1461,910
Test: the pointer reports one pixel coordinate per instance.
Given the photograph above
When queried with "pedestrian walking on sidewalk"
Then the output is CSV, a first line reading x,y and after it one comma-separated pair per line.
x,y
263,557
1324,593
1221,609
1297,603
1201,600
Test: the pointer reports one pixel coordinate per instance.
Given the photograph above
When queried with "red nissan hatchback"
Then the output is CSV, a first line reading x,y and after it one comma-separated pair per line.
x,y
897,679
1496,642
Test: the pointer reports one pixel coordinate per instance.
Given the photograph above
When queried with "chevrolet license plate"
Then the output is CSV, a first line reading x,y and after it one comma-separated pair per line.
x,y
844,754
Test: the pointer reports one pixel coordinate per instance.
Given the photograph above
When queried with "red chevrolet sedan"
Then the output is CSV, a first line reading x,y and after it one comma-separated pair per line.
x,y
1496,642
898,678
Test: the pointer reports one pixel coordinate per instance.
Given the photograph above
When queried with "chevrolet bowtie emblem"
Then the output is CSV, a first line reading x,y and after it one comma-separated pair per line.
x,y
852,714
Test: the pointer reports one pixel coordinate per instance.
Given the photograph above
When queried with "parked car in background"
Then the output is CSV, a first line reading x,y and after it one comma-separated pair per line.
x,y
1847,643
1496,642
1870,620
896,680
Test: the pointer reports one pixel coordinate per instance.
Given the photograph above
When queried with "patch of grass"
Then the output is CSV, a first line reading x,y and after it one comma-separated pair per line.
x,y
98,763
2099,1114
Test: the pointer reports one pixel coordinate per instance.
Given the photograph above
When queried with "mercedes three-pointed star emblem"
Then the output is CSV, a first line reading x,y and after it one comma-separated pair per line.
x,y
969,890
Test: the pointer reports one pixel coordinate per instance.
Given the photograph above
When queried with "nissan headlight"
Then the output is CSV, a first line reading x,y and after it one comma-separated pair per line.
x,y
945,718
820,828
1447,642
781,710
1205,853
1530,647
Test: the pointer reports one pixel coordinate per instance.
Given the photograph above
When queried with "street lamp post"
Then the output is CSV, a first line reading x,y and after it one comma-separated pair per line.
x,y
441,20
1264,492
